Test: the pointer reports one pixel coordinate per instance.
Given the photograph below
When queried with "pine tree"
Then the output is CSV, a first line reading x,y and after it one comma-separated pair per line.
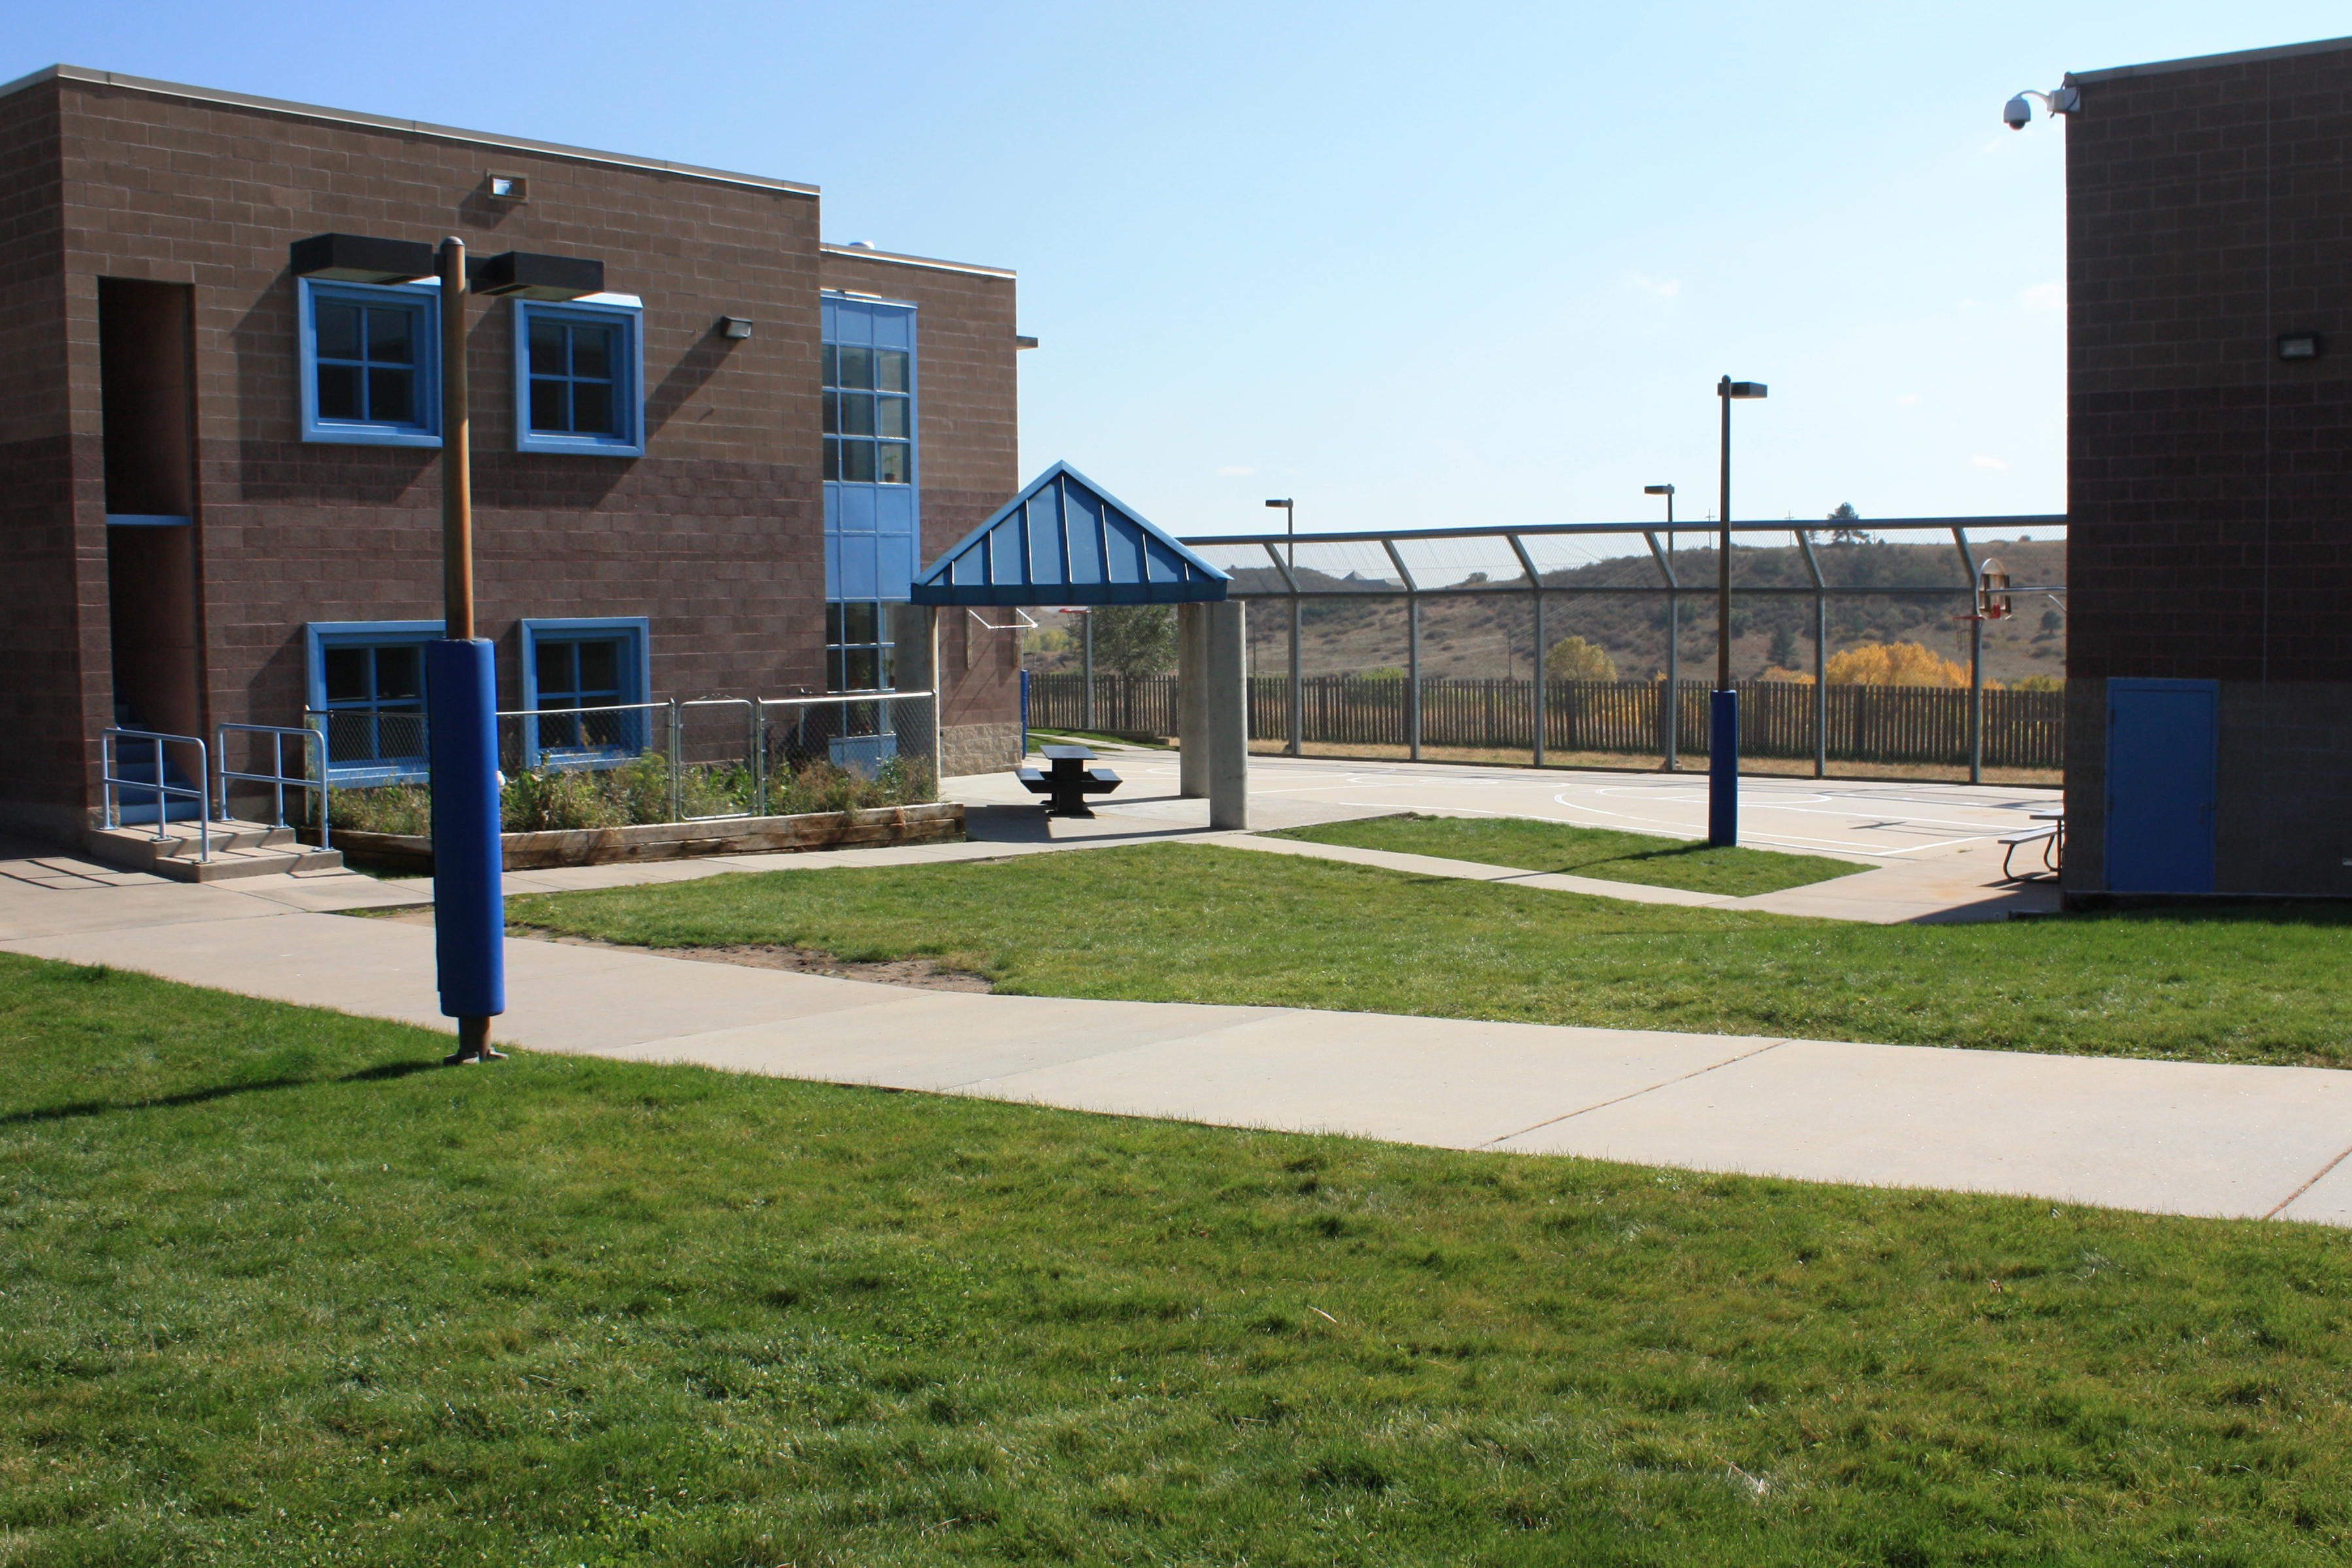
x,y
1844,532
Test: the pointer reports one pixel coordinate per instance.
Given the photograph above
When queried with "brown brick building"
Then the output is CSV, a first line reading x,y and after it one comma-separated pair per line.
x,y
663,506
2210,461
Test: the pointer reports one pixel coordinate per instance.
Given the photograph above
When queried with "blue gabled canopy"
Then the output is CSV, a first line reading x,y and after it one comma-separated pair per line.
x,y
1068,540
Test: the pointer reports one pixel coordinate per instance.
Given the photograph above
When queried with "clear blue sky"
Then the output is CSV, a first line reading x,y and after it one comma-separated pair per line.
x,y
1417,265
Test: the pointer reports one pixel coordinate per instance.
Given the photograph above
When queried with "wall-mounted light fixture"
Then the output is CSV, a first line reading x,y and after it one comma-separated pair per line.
x,y
2298,346
734,327
515,188
1022,341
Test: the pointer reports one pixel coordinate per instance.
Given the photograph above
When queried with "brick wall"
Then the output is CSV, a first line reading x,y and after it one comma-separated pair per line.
x,y
2209,482
53,620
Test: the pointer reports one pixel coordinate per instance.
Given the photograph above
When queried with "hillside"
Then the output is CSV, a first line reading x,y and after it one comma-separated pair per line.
x,y
1473,636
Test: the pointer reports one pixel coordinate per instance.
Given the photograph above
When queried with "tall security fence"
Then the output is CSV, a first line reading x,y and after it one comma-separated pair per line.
x,y
1651,588
1908,725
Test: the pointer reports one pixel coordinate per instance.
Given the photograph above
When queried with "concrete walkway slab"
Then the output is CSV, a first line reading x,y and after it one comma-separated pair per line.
x,y
945,1041
2160,1136
1458,1083
2163,1137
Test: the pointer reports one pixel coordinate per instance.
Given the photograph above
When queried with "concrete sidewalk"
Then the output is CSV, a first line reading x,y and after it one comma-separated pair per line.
x,y
2159,1137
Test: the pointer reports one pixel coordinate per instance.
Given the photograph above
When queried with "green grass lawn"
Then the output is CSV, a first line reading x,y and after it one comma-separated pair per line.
x,y
275,1290
1530,845
1189,923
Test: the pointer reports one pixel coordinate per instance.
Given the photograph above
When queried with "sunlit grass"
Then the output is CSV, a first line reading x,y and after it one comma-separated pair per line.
x,y
1194,923
275,1290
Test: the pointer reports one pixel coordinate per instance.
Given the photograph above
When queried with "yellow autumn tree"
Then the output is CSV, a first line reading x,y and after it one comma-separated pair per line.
x,y
1895,664
1574,659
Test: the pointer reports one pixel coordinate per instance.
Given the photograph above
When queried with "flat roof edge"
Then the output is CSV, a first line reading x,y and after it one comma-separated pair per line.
x,y
2201,62
903,261
410,127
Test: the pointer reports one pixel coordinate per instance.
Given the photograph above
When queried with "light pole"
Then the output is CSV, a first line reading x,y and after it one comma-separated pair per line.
x,y
1295,746
462,738
1673,635
1723,735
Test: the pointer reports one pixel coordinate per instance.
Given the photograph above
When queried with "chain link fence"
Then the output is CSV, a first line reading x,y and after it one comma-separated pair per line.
x,y
680,760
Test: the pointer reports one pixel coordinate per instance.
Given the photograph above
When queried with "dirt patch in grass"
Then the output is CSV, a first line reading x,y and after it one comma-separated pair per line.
x,y
919,974
922,974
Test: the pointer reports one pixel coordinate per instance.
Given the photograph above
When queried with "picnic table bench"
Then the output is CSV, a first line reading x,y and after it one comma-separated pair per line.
x,y
1066,781
2051,835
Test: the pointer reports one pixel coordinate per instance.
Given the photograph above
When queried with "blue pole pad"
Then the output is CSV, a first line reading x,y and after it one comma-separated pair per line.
x,y
1723,770
469,907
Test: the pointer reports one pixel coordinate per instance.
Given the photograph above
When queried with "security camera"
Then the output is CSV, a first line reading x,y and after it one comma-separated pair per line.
x,y
2016,113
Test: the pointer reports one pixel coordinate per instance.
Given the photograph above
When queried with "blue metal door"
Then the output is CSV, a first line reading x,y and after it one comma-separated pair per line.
x,y
2161,745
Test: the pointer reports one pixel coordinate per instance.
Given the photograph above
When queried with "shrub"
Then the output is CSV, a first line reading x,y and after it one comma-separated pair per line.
x,y
1895,664
1574,659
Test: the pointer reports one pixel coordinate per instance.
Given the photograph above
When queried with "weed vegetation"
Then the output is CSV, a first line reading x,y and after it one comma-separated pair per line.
x,y
1531,845
639,792
1192,923
279,1290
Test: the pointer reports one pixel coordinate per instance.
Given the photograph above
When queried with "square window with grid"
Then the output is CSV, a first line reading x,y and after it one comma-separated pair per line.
x,y
579,370
375,704
582,673
369,366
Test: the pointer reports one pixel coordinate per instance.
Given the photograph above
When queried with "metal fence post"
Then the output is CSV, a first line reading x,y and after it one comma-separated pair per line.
x,y
674,761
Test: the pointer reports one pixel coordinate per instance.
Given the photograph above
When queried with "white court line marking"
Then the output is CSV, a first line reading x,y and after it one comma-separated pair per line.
x,y
1677,830
1875,849
1984,828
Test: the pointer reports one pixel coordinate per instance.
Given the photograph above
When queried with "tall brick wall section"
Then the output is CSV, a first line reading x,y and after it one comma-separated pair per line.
x,y
53,622
970,466
716,535
2210,482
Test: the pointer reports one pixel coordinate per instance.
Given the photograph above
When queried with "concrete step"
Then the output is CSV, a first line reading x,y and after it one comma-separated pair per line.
x,y
238,849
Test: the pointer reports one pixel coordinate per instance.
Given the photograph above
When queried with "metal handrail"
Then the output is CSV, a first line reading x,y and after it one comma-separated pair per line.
x,y
201,791
314,755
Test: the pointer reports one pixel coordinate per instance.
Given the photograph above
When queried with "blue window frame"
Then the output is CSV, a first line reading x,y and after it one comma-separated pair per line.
x,y
371,367
585,666
367,688
873,507
580,376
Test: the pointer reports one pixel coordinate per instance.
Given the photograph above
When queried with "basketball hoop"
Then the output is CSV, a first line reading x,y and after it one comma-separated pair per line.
x,y
1023,624
1992,593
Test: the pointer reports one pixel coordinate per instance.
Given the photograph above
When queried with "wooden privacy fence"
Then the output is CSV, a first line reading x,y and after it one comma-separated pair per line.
x,y
1865,724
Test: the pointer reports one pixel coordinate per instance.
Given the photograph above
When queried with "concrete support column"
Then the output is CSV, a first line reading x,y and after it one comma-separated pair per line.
x,y
1226,711
1191,693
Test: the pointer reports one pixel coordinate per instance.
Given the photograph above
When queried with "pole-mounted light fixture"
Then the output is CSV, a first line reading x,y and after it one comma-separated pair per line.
x,y
1723,740
1289,524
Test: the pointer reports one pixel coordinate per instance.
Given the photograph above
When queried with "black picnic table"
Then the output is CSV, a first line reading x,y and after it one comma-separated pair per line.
x,y
1066,781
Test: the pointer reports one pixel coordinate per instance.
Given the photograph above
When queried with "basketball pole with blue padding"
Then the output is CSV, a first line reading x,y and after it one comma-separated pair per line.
x,y
461,698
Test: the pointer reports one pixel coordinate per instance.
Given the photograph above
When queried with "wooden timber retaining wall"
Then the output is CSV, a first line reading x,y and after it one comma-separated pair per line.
x,y
941,822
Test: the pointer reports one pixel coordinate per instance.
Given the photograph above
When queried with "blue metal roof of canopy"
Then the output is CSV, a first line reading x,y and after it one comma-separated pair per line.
x,y
1066,541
